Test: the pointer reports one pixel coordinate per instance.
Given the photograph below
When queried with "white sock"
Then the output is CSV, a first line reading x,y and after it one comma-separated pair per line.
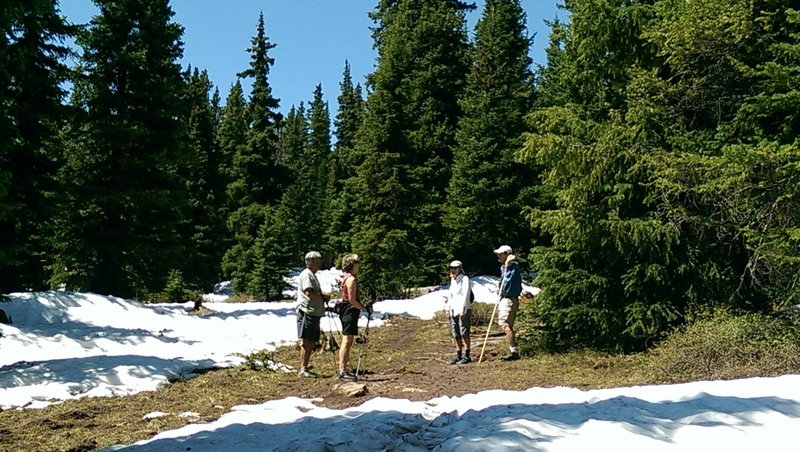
x,y
512,349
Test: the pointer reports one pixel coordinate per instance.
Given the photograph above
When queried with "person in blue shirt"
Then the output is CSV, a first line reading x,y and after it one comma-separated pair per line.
x,y
510,289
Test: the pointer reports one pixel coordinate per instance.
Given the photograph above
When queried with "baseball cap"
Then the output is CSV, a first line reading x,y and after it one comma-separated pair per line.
x,y
455,264
503,249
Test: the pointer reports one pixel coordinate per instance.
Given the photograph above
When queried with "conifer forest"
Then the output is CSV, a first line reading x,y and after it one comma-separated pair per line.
x,y
649,170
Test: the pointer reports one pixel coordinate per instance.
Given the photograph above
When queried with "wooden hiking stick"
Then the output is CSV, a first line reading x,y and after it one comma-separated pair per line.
x,y
489,328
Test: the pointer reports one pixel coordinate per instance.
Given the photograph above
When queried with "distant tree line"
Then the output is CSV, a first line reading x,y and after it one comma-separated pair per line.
x,y
649,170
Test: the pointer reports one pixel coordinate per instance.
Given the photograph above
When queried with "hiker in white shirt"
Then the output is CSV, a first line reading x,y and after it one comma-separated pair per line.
x,y
459,302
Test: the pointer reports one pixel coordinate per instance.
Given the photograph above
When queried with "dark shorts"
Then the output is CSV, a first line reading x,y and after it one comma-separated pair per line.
x,y
349,317
459,327
307,326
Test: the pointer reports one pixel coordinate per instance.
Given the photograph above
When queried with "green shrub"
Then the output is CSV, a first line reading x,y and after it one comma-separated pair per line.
x,y
723,345
259,360
531,337
481,312
241,298
480,315
177,291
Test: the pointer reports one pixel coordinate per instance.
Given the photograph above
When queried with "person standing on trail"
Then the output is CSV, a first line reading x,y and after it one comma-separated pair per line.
x,y
510,289
349,311
310,309
459,302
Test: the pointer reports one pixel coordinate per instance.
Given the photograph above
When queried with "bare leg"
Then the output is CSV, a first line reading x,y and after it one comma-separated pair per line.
x,y
305,352
512,341
344,351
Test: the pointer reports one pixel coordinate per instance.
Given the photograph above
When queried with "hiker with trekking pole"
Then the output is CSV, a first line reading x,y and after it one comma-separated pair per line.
x,y
362,344
459,302
310,309
510,289
507,306
349,310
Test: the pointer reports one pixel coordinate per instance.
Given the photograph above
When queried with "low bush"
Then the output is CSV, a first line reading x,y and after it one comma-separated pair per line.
x,y
481,312
722,345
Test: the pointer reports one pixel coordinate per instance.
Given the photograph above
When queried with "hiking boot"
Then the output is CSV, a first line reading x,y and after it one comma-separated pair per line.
x,y
464,360
512,356
306,374
345,375
456,360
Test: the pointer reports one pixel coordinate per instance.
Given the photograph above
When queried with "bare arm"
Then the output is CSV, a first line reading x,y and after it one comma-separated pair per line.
x,y
352,290
313,294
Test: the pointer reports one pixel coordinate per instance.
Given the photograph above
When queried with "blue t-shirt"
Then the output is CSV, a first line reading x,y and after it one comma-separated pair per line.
x,y
511,280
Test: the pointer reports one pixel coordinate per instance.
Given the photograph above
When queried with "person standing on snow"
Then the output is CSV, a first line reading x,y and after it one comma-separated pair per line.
x,y
510,289
459,302
349,311
310,309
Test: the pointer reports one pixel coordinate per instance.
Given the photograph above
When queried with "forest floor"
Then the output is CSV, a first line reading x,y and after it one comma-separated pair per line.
x,y
405,359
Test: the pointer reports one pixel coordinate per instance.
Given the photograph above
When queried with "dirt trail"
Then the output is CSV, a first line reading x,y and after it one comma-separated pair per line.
x,y
410,359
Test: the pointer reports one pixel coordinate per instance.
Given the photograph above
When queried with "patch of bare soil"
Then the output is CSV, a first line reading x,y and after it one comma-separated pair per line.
x,y
410,359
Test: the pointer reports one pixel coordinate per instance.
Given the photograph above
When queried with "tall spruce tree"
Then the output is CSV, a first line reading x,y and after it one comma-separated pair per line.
x,y
484,196
729,90
305,144
203,226
767,157
231,133
318,160
258,179
339,211
405,147
616,274
32,57
116,233
294,203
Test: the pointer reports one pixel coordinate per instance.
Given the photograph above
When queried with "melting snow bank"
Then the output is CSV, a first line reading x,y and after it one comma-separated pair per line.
x,y
751,414
65,345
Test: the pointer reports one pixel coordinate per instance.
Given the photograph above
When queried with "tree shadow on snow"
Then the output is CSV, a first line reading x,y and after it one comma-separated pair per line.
x,y
513,427
82,374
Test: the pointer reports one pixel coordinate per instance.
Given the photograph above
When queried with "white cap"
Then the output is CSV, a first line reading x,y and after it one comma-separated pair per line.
x,y
503,249
455,264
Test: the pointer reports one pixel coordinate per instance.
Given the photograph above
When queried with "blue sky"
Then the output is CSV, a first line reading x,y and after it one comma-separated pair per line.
x,y
313,38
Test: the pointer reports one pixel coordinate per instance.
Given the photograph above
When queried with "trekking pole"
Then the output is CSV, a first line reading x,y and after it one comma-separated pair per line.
x,y
332,345
363,345
489,328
